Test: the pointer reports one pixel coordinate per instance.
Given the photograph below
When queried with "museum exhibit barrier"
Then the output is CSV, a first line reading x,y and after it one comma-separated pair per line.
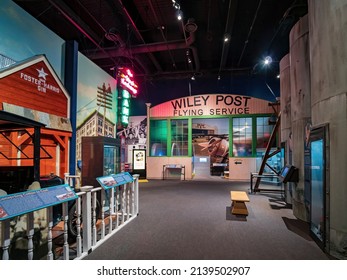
x,y
90,217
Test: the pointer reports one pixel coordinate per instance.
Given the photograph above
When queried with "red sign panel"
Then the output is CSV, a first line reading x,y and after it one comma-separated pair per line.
x,y
34,85
126,80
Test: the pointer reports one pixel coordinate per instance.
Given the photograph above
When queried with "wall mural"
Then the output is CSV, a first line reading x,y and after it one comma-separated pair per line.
x,y
136,132
210,139
96,102
26,37
23,37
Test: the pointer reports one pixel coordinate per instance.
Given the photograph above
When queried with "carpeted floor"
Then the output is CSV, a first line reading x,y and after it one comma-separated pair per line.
x,y
185,220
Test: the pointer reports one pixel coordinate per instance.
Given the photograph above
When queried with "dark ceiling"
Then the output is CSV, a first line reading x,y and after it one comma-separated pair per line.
x,y
146,35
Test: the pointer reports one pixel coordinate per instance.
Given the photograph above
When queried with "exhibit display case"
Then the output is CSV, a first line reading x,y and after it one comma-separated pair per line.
x,y
100,157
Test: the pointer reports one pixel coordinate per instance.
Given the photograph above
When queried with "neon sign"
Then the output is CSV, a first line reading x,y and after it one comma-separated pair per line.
x,y
125,107
127,80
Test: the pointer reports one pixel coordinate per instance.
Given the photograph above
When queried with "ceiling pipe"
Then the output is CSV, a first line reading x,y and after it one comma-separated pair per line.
x,y
146,48
188,74
80,25
190,27
149,48
138,34
161,31
85,30
228,29
195,57
249,32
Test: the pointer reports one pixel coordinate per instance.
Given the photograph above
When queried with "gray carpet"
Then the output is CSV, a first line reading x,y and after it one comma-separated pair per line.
x,y
184,220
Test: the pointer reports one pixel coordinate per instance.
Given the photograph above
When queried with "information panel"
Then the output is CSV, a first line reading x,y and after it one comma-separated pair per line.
x,y
139,159
25,202
114,180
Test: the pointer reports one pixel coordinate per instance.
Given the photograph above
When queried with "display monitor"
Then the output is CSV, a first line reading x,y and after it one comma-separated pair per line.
x,y
289,173
285,171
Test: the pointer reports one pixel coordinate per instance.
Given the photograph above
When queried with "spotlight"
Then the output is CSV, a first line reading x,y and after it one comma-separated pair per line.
x,y
278,76
179,14
218,77
193,78
226,37
267,60
175,5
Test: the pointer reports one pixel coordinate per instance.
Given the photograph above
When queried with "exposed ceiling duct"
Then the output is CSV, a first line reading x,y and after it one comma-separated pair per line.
x,y
145,48
146,35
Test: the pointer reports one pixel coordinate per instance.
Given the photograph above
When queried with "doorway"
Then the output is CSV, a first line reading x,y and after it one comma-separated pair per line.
x,y
210,139
319,200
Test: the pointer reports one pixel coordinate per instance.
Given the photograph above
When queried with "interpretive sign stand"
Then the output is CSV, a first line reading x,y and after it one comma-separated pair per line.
x,y
13,205
114,180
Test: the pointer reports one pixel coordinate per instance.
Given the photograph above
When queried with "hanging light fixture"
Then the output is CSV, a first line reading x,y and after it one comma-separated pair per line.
x,y
179,14
267,60
175,5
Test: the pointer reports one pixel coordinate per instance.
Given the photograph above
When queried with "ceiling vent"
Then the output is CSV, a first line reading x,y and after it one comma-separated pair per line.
x,y
190,26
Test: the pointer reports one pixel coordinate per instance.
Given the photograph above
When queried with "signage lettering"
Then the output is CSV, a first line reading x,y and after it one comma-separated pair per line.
x,y
220,104
187,102
188,112
42,86
127,80
229,111
230,100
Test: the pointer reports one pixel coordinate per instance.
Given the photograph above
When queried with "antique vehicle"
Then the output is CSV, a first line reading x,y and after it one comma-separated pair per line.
x,y
20,158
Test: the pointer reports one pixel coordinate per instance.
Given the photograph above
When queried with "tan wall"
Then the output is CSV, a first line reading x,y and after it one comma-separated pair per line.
x,y
155,166
240,168
239,172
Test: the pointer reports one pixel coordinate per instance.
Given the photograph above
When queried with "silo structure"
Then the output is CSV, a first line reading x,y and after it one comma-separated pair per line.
x,y
328,56
300,110
286,120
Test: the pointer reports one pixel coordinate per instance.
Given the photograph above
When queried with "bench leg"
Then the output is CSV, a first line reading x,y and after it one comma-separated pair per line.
x,y
239,208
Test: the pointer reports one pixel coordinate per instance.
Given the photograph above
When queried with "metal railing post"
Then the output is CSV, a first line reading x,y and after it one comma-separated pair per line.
x,y
136,183
87,218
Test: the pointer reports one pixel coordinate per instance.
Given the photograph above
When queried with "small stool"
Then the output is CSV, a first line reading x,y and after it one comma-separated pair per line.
x,y
238,199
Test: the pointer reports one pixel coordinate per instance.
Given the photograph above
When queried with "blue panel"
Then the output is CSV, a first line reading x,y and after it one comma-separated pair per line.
x,y
114,180
25,202
317,183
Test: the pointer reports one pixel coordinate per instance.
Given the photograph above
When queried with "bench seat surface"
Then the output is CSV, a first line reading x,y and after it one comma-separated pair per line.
x,y
239,196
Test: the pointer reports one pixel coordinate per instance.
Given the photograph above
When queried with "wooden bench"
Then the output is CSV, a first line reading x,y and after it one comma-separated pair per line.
x,y
238,199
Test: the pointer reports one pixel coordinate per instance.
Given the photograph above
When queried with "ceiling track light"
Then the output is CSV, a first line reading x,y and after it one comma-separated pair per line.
x,y
267,60
179,14
175,5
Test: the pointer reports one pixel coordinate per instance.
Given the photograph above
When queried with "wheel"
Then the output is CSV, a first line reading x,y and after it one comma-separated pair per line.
x,y
72,220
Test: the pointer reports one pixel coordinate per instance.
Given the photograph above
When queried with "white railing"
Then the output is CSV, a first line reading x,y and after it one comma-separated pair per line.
x,y
85,223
